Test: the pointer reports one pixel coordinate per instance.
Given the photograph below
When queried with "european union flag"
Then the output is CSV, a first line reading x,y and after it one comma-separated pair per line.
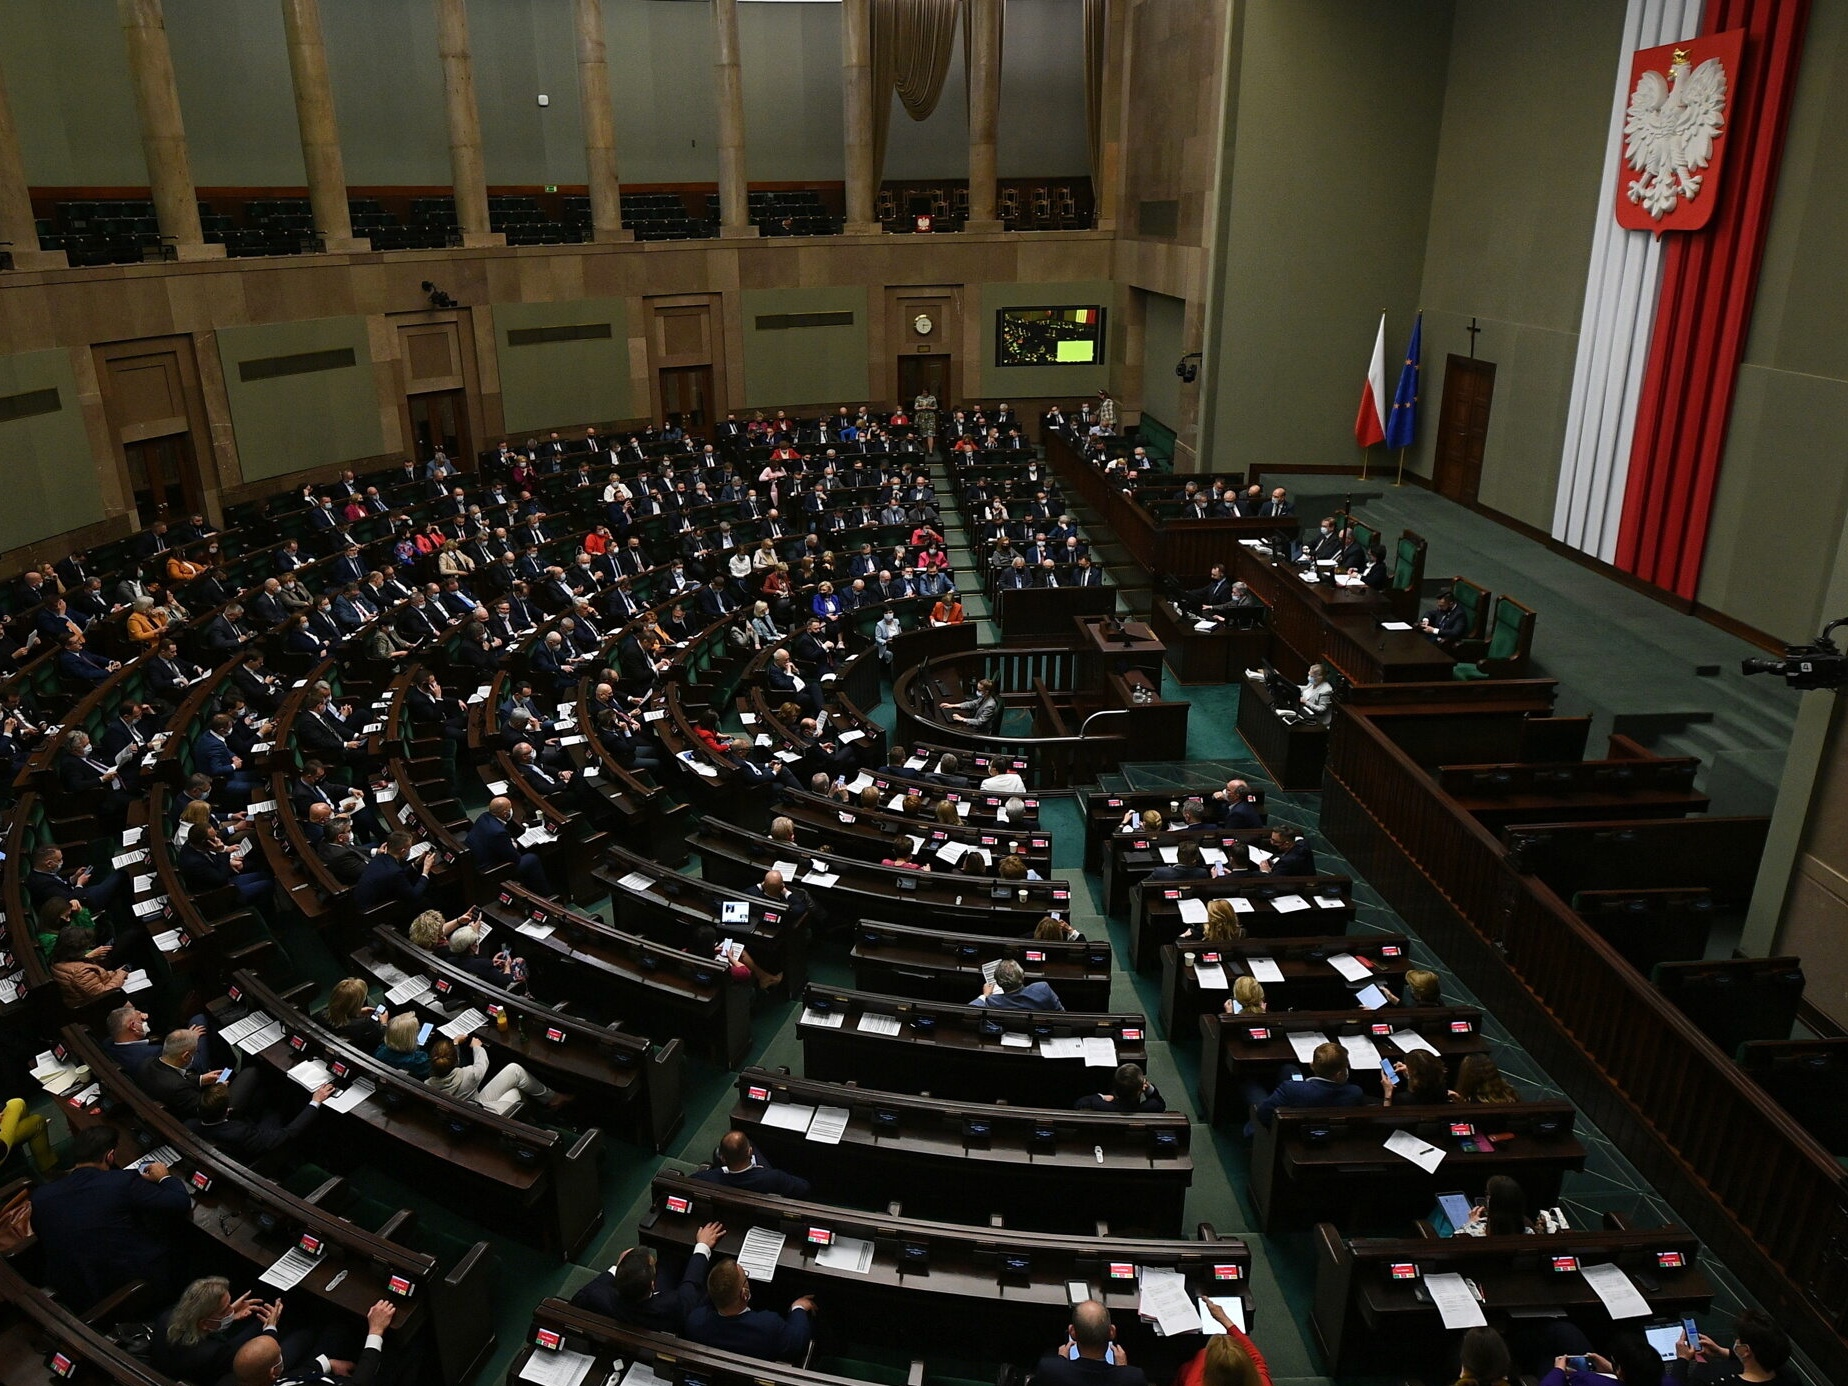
x,y
1402,422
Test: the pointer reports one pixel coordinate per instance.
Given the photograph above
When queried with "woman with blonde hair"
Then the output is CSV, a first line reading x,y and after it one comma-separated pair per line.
x,y
399,1047
1231,1359
451,561
1247,997
946,813
351,1017
146,622
194,818
1422,988
1221,925
430,930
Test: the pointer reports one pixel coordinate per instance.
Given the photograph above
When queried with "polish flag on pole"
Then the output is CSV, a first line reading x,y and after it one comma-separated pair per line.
x,y
1370,422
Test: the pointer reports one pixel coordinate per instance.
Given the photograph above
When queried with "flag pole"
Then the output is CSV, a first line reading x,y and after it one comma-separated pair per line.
x,y
1401,478
1363,462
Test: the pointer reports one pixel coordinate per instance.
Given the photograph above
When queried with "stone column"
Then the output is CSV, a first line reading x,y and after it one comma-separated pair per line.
x,y
466,170
314,116
734,204
857,115
984,110
1107,195
599,124
17,227
163,134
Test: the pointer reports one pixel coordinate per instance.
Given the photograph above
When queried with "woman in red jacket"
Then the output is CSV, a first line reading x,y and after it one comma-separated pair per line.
x,y
1231,1360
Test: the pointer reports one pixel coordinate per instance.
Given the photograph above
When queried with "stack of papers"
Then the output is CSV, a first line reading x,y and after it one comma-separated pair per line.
x,y
1100,1052
1164,1300
1061,1048
311,1074
559,1368
464,1025
827,1020
290,1270
261,1034
168,941
873,1023
153,905
1304,1043
138,980
408,990
851,1254
789,1116
54,1077
350,1097
758,1256
1405,625
828,1125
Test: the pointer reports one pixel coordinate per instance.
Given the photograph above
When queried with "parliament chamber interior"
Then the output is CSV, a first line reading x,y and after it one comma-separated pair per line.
x,y
798,692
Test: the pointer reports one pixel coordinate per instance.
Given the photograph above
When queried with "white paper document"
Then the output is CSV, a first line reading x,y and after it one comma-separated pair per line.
x,y
1170,856
168,941
829,1125
151,906
1211,977
311,1074
1235,1310
408,990
464,1025
138,980
824,879
1350,967
1013,1039
1242,904
1258,855
1622,1300
350,1097
1403,625
637,881
533,930
851,1254
1370,997
873,1023
1193,911
556,1368
1100,1052
1265,969
262,1037
1421,1153
1455,1302
1361,1052
827,1020
639,1374
757,1258
1062,1048
1410,1041
1304,1043
1165,1299
1330,902
789,1116
1289,904
289,1271
1213,856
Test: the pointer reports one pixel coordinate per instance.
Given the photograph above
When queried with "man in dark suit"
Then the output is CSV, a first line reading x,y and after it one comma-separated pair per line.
x,y
248,1139
80,666
94,778
226,634
1293,855
1234,807
739,1166
174,1080
1447,622
345,861
100,1227
390,875
728,1322
1090,1356
1188,865
491,843
1326,1086
631,1293
268,1358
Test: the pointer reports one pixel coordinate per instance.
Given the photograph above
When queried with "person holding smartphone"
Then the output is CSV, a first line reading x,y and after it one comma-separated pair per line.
x,y
176,1083
1760,1352
1632,1361
1090,1354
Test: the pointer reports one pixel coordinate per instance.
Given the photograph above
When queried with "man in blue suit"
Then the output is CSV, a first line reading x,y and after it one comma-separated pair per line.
x,y
213,755
79,665
100,1227
1010,991
741,1167
390,876
491,843
1326,1086
727,1321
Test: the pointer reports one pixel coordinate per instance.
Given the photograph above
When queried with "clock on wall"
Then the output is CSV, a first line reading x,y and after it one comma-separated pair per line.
x,y
922,325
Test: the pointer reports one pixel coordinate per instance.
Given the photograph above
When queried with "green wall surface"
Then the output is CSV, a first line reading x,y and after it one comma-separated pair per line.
x,y
289,423
1783,472
1509,241
47,456
1162,326
805,365
1027,382
550,384
1331,165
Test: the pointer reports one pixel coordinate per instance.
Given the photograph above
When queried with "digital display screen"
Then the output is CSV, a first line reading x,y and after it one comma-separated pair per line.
x,y
677,1204
548,1338
297,1043
556,1035
1130,1032
1459,1027
1258,1034
1061,336
756,1094
62,1365
820,1236
1462,1128
1565,1263
1671,1260
201,1181
310,1244
1389,950
1122,1270
1380,1029
399,1285
1228,1273
1404,1270
1034,955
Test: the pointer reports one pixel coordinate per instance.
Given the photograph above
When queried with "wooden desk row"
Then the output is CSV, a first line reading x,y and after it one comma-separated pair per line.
x,y
1155,909
928,964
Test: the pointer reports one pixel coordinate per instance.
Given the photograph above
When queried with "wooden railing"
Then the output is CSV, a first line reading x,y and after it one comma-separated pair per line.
x,y
1759,1189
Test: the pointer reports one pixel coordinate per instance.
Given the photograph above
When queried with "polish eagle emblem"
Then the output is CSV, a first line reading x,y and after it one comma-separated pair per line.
x,y
1669,132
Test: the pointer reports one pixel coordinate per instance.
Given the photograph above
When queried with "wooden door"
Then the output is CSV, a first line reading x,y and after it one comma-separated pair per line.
x,y
916,374
686,396
163,477
439,419
1463,427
